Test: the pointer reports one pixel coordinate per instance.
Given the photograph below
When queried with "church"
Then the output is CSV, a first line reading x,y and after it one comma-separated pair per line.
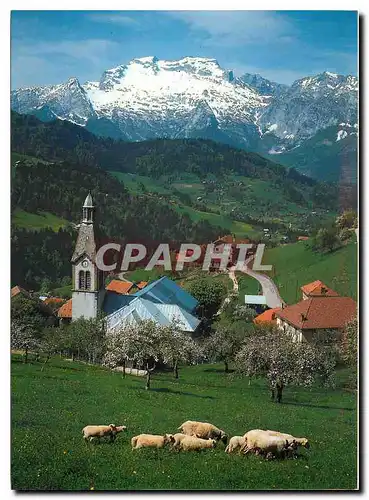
x,y
161,301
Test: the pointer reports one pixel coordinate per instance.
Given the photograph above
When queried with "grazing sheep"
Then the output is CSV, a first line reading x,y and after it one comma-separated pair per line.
x,y
299,441
178,438
151,440
260,441
234,443
192,443
203,430
99,431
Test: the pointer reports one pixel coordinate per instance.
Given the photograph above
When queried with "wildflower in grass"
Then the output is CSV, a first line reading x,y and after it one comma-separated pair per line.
x,y
65,452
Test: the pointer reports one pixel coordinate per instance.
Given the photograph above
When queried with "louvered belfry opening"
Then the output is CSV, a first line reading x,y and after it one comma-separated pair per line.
x,y
84,280
88,280
81,280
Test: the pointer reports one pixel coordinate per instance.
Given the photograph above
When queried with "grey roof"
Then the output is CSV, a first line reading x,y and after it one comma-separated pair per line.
x,y
255,299
88,201
85,243
141,309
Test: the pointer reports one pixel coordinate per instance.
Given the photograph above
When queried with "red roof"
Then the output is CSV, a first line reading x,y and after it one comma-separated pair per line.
x,y
18,289
303,238
66,310
53,300
117,286
318,289
319,312
141,284
267,316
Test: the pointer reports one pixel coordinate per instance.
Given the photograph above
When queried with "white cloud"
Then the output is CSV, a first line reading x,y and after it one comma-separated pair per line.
x,y
231,28
121,19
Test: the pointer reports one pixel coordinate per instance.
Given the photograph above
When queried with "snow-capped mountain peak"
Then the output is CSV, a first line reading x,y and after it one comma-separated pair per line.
x,y
195,97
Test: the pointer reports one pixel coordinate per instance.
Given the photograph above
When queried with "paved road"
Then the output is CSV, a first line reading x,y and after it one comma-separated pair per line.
x,y
270,290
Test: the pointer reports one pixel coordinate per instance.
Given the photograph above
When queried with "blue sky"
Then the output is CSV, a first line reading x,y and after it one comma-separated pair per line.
x,y
48,47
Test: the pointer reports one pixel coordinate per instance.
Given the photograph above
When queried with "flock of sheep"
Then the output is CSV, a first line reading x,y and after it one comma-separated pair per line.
x,y
195,436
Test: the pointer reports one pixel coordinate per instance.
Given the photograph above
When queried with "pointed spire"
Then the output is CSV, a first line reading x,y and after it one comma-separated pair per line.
x,y
88,201
88,210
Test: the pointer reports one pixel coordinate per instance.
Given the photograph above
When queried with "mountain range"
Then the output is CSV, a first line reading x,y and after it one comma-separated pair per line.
x,y
195,98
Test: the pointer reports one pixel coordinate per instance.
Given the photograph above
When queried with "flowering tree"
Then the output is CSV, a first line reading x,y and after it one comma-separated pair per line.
x,y
176,346
22,338
224,343
138,343
349,342
275,356
145,342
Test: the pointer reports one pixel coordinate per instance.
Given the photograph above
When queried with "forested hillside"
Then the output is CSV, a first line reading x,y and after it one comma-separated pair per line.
x,y
163,190
61,189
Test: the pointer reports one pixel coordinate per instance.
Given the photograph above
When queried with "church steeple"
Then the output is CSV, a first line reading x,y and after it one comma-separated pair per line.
x,y
87,278
88,210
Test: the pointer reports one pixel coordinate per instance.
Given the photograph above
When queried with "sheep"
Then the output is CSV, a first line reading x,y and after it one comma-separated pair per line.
x,y
234,443
178,439
192,443
99,431
260,441
151,440
203,430
299,441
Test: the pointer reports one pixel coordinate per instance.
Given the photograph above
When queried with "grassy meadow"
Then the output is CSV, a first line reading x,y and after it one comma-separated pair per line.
x,y
35,222
296,264
50,407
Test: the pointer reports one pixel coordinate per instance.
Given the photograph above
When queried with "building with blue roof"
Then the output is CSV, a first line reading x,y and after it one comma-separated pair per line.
x,y
162,301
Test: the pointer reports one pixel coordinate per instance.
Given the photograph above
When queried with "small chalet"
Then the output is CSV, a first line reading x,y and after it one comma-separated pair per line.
x,y
321,308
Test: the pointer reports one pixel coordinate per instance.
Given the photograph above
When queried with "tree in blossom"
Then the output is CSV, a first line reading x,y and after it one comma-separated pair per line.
x,y
177,346
224,343
22,338
285,362
145,343
349,343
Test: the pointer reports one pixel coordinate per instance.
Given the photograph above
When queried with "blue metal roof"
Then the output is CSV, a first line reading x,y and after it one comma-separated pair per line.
x,y
161,301
166,291
142,310
114,301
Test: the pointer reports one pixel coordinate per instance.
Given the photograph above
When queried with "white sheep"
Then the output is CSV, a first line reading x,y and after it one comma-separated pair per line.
x,y
203,430
151,440
99,431
234,443
178,438
260,441
299,441
192,443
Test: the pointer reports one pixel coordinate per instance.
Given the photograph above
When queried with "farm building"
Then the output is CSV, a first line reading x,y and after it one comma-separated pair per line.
x,y
320,309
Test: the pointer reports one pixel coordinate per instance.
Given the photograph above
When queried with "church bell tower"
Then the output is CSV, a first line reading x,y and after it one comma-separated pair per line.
x,y
88,288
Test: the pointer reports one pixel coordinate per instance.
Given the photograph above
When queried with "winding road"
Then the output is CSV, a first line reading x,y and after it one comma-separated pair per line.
x,y
270,290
